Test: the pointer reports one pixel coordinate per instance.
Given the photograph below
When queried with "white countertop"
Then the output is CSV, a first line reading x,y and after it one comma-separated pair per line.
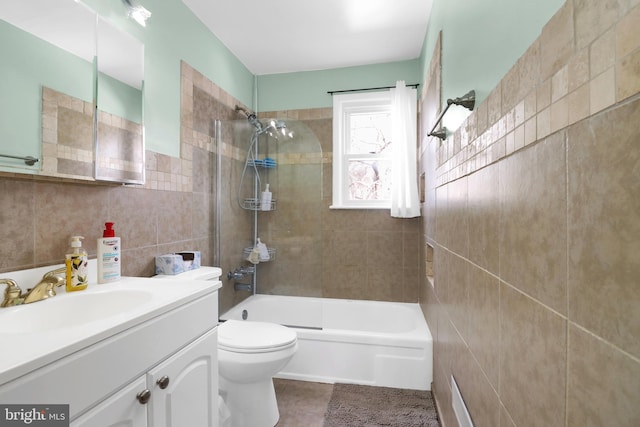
x,y
23,352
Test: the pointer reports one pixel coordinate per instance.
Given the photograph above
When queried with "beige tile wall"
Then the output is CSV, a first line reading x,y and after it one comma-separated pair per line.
x,y
535,307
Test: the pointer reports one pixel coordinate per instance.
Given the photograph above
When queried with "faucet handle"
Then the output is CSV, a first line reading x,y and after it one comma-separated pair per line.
x,y
12,293
57,271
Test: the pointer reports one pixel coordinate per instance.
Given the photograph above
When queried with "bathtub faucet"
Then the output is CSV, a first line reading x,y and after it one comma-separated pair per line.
x,y
241,272
243,287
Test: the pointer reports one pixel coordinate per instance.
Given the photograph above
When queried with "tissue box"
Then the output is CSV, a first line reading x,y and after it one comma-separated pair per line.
x,y
192,259
172,264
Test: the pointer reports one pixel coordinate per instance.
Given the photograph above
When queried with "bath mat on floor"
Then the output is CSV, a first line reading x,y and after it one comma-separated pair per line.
x,y
360,405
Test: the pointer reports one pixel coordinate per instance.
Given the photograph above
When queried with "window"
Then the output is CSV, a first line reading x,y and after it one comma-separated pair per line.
x,y
362,150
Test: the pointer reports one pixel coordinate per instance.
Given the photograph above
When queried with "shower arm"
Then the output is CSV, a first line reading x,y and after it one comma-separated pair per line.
x,y
468,101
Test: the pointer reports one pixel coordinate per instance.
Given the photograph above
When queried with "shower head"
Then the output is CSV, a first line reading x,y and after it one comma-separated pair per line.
x,y
274,128
251,117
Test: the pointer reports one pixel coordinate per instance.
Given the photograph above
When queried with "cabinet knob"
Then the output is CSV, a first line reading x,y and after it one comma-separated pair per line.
x,y
144,396
163,382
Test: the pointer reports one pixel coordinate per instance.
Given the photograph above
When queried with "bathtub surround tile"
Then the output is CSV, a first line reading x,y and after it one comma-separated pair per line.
x,y
532,360
484,321
533,221
604,218
628,34
442,219
479,395
603,91
543,95
593,18
442,259
383,247
458,294
579,104
348,282
530,66
594,366
410,286
505,418
579,69
511,86
411,243
603,53
628,76
457,210
383,284
567,217
557,41
559,84
484,216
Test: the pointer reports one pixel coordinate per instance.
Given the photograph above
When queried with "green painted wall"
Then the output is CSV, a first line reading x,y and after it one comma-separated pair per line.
x,y
481,40
292,91
173,34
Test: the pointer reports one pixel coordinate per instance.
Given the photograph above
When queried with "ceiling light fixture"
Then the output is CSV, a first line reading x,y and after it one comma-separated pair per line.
x,y
137,12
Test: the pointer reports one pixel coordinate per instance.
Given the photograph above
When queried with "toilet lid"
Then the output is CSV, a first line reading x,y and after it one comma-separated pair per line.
x,y
245,335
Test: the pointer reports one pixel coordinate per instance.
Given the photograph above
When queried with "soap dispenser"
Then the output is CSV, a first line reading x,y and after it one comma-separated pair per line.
x,y
76,262
108,255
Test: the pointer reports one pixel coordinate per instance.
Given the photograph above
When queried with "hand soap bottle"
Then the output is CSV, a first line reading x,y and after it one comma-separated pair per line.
x,y
76,262
108,255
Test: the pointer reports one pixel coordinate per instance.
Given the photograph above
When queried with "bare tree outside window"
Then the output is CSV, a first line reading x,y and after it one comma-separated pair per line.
x,y
369,176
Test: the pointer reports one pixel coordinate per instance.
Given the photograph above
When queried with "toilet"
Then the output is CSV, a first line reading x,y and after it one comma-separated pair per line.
x,y
249,355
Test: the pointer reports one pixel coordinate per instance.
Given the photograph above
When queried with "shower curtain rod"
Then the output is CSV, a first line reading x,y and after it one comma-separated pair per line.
x,y
331,92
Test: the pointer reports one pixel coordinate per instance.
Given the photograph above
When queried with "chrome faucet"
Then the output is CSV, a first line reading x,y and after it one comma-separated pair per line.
x,y
241,272
44,289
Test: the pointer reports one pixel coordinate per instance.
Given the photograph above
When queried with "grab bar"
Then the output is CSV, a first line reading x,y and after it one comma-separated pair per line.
x,y
27,160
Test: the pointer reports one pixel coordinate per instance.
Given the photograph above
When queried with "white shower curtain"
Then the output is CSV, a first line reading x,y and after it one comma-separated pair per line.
x,y
405,202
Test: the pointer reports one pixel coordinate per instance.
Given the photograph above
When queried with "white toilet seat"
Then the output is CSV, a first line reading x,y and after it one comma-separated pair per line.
x,y
243,336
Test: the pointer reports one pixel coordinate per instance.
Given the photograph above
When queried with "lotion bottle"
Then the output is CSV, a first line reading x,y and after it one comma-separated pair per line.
x,y
265,201
108,255
76,263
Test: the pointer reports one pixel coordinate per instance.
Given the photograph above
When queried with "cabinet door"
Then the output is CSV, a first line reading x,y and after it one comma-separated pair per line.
x,y
120,410
184,388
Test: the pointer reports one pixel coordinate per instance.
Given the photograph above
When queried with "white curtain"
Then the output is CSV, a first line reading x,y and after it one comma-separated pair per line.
x,y
405,202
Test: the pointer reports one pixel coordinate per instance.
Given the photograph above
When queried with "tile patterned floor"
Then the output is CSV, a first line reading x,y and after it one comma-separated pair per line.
x,y
301,403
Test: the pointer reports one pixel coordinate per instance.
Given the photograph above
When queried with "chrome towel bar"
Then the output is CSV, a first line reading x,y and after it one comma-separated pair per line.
x,y
27,160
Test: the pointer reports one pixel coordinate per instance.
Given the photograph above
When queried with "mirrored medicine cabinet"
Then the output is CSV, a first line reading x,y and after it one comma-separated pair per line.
x,y
71,93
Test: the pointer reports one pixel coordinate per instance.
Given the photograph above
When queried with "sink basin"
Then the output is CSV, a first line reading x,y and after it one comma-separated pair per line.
x,y
69,310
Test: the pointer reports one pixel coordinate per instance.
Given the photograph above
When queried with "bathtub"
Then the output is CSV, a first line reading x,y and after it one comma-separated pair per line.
x,y
349,341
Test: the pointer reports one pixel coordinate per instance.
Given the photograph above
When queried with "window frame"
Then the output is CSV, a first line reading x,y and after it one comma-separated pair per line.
x,y
344,105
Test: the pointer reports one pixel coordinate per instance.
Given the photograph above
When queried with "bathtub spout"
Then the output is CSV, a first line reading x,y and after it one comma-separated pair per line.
x,y
243,287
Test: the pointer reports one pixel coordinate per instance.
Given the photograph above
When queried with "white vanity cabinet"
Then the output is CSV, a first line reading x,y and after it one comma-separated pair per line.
x,y
181,391
171,353
190,381
121,409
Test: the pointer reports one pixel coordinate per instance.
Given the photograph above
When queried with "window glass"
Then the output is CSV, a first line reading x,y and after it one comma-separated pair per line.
x,y
362,150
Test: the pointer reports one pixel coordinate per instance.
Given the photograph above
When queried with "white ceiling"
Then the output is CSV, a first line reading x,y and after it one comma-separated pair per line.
x,y
279,36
